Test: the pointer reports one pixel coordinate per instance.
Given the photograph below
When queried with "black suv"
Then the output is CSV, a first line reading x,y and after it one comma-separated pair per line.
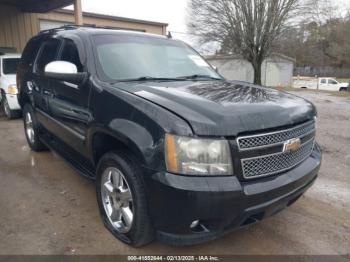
x,y
177,152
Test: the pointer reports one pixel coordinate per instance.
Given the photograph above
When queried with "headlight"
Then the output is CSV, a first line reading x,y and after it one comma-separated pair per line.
x,y
191,156
12,90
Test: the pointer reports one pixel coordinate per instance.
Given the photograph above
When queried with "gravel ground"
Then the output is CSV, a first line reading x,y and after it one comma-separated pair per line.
x,y
47,208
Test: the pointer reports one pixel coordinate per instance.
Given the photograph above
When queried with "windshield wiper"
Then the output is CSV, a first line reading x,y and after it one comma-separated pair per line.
x,y
149,78
197,76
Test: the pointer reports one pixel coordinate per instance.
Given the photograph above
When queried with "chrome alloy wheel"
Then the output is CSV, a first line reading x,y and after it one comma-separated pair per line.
x,y
117,200
29,128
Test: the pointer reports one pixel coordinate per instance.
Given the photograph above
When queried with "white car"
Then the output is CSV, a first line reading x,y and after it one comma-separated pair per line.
x,y
323,83
8,88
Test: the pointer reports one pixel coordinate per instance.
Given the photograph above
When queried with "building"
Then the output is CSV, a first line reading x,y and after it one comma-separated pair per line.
x,y
277,70
22,19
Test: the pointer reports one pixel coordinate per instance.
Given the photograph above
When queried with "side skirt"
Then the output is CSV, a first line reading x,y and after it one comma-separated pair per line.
x,y
82,166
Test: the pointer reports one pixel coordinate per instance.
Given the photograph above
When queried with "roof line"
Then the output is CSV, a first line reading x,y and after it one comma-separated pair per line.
x,y
119,18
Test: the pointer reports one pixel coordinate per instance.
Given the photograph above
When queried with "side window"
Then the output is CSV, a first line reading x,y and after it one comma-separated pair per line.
x,y
30,51
48,53
70,54
323,81
332,82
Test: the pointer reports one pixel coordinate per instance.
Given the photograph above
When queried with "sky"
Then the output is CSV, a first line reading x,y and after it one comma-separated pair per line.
x,y
173,12
167,11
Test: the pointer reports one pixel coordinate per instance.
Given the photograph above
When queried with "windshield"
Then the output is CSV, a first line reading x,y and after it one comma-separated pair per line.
x,y
10,66
134,57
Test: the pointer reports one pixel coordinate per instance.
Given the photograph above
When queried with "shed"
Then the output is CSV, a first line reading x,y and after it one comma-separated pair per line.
x,y
277,69
22,19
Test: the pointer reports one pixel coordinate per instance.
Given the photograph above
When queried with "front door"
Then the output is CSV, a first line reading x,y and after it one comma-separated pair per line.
x,y
69,103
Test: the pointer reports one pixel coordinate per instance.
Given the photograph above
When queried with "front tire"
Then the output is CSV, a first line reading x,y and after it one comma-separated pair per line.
x,y
31,128
10,114
122,201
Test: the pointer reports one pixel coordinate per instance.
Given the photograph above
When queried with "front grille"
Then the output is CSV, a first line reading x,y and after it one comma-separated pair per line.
x,y
265,154
268,139
276,163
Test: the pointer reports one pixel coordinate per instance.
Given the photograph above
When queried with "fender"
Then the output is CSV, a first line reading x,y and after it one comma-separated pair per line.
x,y
147,148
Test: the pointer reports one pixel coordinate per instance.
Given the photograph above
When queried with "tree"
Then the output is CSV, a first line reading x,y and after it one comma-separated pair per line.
x,y
245,27
318,44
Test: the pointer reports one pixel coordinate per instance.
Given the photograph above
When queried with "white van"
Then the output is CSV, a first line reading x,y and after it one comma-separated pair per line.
x,y
8,88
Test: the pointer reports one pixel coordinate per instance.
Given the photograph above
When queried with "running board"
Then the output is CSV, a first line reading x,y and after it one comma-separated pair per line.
x,y
61,149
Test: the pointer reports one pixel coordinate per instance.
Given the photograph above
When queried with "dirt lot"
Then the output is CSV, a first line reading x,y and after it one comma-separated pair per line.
x,y
47,208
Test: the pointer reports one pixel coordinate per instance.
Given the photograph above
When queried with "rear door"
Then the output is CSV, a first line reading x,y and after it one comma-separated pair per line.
x,y
69,104
40,85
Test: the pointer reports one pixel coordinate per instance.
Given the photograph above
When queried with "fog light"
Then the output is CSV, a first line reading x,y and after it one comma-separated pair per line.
x,y
194,224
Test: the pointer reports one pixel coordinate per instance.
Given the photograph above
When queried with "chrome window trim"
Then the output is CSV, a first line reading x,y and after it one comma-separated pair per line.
x,y
273,133
275,154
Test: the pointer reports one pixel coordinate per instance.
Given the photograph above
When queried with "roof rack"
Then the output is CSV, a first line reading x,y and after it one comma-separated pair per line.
x,y
73,27
61,28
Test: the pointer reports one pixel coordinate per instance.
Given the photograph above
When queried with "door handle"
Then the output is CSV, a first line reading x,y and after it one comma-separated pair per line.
x,y
48,93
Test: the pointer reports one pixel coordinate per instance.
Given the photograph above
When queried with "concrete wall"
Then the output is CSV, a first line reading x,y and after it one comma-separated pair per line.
x,y
234,69
16,27
276,71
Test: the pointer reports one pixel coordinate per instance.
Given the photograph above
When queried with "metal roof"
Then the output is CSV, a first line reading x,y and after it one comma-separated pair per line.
x,y
115,18
37,6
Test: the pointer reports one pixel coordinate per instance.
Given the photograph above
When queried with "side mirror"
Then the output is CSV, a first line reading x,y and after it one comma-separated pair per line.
x,y
216,69
64,71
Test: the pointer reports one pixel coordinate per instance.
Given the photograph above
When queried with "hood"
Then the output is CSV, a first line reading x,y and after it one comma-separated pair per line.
x,y
9,79
225,108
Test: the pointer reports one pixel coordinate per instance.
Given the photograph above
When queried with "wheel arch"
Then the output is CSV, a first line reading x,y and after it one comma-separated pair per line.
x,y
120,135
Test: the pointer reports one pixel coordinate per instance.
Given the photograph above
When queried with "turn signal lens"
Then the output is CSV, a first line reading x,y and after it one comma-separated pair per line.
x,y
12,90
171,155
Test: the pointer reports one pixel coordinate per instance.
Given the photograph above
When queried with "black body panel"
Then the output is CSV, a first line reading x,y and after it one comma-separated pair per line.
x,y
83,121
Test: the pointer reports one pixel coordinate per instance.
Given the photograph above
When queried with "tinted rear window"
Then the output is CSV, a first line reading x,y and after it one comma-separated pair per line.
x,y
47,54
31,51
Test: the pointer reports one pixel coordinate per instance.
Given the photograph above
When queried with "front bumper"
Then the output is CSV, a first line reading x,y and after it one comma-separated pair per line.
x,y
222,204
12,101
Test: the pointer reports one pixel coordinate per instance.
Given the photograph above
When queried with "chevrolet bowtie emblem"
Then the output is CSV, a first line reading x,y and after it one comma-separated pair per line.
x,y
292,145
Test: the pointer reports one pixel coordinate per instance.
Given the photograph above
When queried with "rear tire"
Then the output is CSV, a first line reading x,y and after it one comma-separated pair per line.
x,y
32,130
115,207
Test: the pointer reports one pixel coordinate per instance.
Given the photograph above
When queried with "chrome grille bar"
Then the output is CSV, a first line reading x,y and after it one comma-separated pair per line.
x,y
275,138
255,165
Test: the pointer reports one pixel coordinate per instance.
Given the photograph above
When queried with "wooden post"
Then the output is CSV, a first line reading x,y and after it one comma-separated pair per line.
x,y
78,12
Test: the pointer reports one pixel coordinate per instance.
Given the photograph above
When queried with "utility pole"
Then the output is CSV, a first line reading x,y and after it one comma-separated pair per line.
x,y
78,12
